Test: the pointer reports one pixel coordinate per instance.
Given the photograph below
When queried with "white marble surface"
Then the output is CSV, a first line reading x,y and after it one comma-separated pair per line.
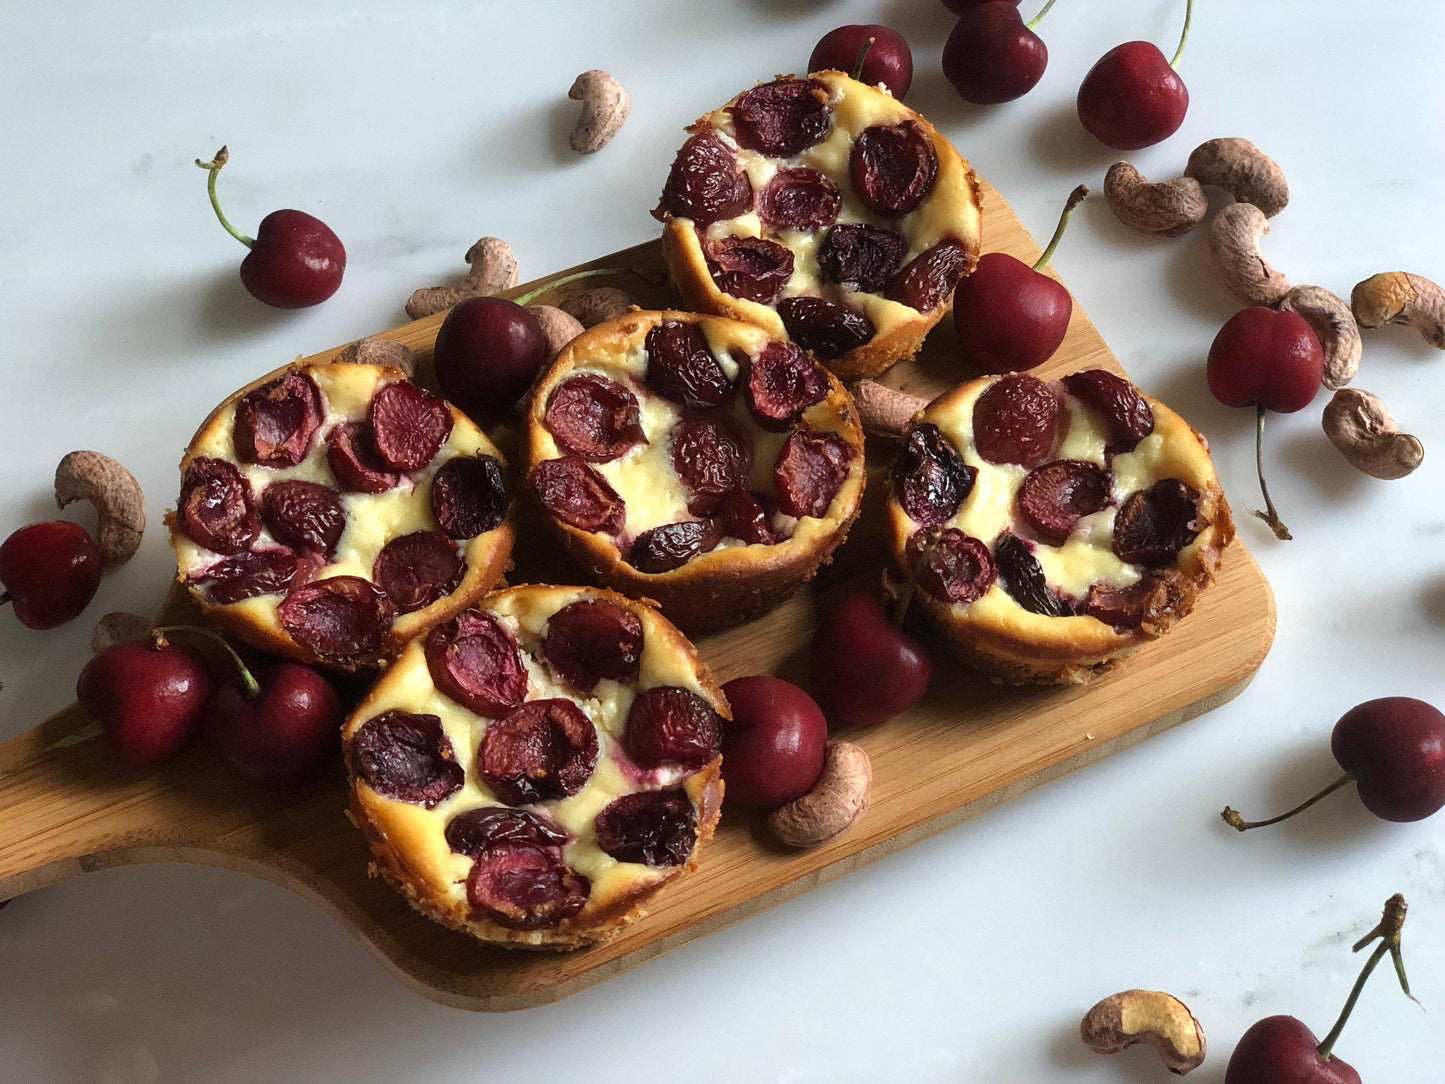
x,y
412,129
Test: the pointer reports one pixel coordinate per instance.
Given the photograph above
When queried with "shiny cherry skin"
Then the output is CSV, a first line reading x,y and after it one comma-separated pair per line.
x,y
1395,748
285,735
488,351
773,748
295,262
51,571
864,669
147,697
1281,1050
991,56
1262,357
1132,98
1009,317
889,60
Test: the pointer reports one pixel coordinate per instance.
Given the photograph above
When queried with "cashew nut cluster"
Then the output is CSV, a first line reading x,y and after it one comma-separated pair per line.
x,y
1361,427
837,799
1168,208
1146,1016
493,269
116,495
1398,297
605,108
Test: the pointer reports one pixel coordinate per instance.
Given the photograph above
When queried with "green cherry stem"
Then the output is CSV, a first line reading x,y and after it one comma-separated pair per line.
x,y
857,72
1040,16
1184,37
1269,515
214,168
1239,824
1076,197
1388,931
248,680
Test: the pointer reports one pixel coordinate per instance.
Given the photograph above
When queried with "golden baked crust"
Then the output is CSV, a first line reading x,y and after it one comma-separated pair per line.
x,y
733,582
1017,646
408,841
487,556
950,212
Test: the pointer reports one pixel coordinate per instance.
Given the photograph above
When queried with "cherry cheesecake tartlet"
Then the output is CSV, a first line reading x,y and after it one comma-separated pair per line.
x,y
333,512
1054,528
534,770
695,460
824,211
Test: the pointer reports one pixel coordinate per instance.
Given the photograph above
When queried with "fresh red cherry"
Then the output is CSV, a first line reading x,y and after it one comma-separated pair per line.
x,y
865,669
1281,1050
873,54
295,260
49,572
277,733
773,748
147,696
488,351
1009,316
1133,97
1393,749
992,55
1271,361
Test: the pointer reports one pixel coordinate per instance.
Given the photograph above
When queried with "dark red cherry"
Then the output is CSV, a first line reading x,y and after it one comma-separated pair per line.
x,y
773,747
488,351
49,571
992,56
1271,361
1394,750
864,668
295,260
870,53
1009,316
1133,97
147,697
285,733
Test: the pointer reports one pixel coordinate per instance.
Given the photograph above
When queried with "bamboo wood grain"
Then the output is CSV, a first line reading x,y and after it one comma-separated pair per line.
x,y
965,748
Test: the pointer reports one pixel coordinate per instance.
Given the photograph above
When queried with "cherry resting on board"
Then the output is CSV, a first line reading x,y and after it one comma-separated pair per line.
x,y
147,696
295,260
864,668
1132,97
773,747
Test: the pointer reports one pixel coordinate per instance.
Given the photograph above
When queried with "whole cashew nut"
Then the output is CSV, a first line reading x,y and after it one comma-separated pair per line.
x,y
1361,427
1145,1016
883,411
605,107
1398,297
116,628
836,801
558,327
493,269
1330,319
593,307
116,495
1168,208
1233,256
375,351
1241,169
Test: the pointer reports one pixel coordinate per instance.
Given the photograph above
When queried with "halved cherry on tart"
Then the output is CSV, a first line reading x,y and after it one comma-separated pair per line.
x,y
825,211
1053,527
694,460
536,769
332,512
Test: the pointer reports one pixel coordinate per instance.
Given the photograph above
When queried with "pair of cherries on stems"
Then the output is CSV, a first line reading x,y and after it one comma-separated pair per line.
x,y
1131,98
151,697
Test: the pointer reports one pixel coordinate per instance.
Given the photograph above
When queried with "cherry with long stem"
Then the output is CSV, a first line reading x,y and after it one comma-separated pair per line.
x,y
1076,197
1388,933
1239,824
1269,515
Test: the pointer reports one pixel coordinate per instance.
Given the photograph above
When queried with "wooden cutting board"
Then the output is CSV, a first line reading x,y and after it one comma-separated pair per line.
x,y
963,749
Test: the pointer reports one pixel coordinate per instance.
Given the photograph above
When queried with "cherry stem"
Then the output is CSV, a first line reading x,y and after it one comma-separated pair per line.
x,y
911,587
857,72
214,168
1040,16
1388,931
1239,824
1184,37
1269,515
248,680
1076,197
546,288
